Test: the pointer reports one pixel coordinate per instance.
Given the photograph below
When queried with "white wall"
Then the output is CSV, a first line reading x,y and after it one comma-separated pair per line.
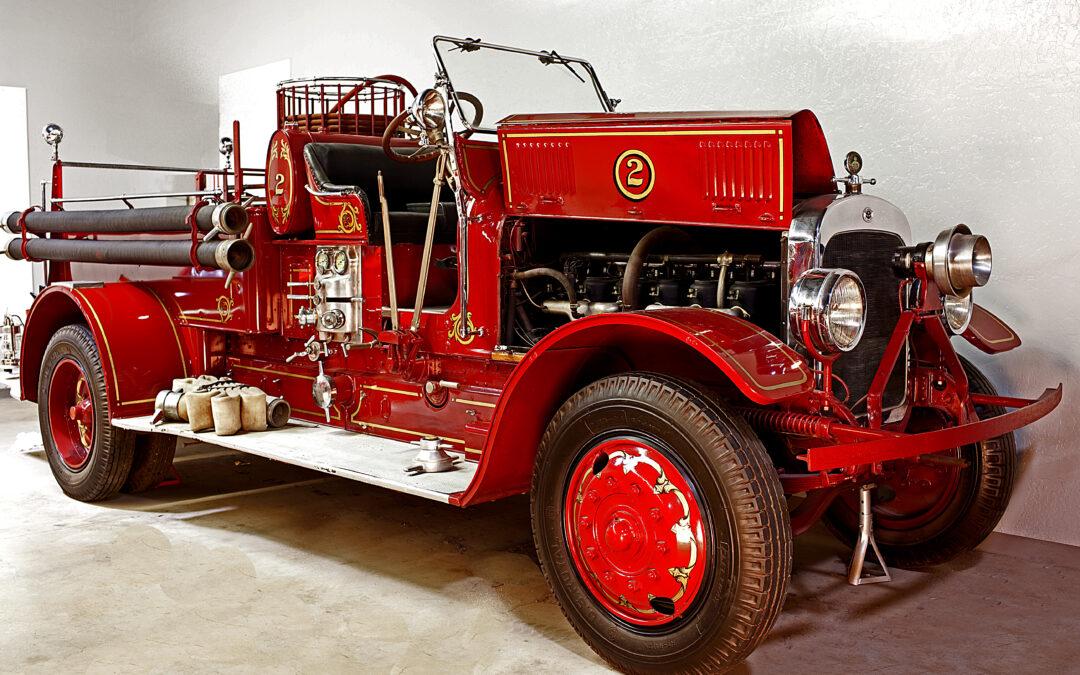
x,y
91,68
965,111
248,96
16,280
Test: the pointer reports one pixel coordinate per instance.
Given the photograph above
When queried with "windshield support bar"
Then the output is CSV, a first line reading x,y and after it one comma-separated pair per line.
x,y
545,57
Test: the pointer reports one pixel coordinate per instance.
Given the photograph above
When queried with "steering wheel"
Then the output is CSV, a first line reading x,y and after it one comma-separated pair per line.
x,y
424,123
406,124
477,106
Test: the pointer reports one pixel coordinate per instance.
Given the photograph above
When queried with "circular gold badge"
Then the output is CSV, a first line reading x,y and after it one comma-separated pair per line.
x,y
634,175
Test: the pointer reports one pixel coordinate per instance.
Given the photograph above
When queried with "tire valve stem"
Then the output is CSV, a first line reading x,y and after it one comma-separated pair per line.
x,y
865,543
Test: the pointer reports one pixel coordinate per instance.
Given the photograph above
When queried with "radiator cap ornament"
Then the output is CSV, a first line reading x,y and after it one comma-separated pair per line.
x,y
853,182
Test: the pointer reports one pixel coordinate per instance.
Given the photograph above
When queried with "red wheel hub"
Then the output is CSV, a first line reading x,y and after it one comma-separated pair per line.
x,y
635,532
920,490
71,413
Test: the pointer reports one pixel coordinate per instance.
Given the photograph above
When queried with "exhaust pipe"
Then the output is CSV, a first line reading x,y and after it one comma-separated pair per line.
x,y
228,218
231,255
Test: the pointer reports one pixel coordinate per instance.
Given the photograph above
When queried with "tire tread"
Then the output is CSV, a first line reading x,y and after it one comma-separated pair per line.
x,y
744,466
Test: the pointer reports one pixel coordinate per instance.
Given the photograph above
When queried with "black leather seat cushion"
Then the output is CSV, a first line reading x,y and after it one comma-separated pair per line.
x,y
337,167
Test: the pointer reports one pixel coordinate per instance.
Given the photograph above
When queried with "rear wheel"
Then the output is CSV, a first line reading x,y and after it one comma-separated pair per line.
x,y
152,461
88,458
928,512
660,525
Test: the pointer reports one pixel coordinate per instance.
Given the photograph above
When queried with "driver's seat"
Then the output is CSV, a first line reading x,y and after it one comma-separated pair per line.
x,y
354,167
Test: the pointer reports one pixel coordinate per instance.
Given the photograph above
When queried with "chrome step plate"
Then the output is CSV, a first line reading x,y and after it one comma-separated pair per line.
x,y
360,457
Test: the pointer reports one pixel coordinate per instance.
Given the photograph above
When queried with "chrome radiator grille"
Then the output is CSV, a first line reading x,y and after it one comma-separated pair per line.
x,y
869,254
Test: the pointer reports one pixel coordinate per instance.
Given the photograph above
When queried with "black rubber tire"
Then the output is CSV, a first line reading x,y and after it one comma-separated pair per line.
x,y
109,462
969,519
152,462
736,484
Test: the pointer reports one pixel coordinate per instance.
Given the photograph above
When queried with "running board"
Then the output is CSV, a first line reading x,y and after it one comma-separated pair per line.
x,y
361,457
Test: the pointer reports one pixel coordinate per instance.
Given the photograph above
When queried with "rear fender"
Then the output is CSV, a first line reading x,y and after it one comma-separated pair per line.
x,y
694,344
137,339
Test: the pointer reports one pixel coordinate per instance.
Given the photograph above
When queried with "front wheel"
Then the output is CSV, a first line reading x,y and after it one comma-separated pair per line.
x,y
928,512
88,458
660,525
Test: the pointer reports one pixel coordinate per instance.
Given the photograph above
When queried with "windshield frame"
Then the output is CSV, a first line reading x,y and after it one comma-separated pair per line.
x,y
607,103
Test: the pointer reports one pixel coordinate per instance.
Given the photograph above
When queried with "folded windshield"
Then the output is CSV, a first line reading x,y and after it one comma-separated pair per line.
x,y
507,81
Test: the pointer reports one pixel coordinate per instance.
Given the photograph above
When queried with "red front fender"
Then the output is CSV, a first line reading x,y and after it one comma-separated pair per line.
x,y
989,333
695,344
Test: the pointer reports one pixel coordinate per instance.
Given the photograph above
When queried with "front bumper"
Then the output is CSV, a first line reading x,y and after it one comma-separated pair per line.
x,y
892,446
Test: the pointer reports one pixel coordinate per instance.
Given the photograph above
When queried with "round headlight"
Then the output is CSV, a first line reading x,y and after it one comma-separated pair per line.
x,y
960,260
429,109
828,309
957,312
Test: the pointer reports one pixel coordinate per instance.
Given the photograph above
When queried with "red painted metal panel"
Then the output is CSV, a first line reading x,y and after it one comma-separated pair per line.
x,y
989,333
682,341
718,172
125,317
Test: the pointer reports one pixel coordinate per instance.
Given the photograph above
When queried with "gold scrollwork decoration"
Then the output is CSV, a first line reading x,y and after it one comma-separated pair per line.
x,y
282,186
349,219
225,307
455,330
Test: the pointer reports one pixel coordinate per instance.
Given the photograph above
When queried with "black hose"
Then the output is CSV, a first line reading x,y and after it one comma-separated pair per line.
x,y
228,254
232,219
558,276
632,275
509,304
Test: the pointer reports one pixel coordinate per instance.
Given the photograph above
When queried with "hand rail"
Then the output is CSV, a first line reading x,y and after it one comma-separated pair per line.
x,y
149,167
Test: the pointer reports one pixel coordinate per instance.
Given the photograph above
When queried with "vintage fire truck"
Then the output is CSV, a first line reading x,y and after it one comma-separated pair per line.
x,y
684,334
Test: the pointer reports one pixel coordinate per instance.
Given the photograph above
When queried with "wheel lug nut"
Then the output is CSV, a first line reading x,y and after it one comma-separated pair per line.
x,y
652,575
611,481
632,585
661,546
584,521
654,513
590,552
592,496
635,489
608,576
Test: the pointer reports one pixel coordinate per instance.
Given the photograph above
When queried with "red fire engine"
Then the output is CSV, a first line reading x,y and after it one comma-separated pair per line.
x,y
679,332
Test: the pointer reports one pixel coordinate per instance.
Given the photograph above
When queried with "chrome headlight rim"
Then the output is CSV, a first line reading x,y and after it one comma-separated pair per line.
x,y
960,260
812,303
429,110
956,312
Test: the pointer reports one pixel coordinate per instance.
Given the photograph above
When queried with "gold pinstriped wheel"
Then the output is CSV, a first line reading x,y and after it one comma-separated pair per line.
x,y
660,524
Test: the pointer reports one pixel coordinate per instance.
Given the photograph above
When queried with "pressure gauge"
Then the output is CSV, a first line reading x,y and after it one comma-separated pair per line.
x,y
322,260
341,261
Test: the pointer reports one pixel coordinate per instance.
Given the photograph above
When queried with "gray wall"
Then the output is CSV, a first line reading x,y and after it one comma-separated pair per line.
x,y
965,112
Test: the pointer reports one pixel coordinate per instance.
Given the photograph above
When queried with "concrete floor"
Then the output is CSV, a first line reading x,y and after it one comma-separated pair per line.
x,y
253,565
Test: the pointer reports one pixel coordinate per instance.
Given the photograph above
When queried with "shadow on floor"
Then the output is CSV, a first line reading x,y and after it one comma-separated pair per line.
x,y
344,571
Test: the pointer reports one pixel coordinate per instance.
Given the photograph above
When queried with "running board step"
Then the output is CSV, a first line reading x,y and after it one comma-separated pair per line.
x,y
360,457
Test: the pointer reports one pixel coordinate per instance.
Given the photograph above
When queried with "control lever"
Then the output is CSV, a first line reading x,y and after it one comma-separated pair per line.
x,y
311,296
313,349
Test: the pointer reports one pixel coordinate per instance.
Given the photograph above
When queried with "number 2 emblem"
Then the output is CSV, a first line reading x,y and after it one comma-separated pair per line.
x,y
634,175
